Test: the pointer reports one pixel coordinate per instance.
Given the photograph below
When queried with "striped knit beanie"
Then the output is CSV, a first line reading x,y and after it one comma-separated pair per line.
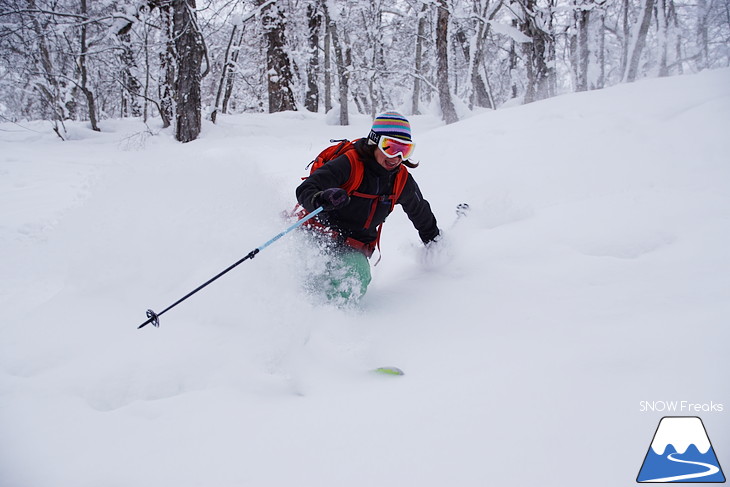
x,y
391,124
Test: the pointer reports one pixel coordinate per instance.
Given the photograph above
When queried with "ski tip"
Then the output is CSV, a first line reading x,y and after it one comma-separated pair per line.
x,y
462,209
389,371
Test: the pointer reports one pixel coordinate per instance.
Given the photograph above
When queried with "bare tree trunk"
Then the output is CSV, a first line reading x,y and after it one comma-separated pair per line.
x,y
343,61
536,53
231,74
420,37
663,34
480,96
374,19
638,41
626,29
448,110
513,64
551,54
582,22
327,67
278,68
477,86
224,75
678,44
362,104
190,50
167,67
129,81
727,22
311,99
703,39
601,58
146,72
90,101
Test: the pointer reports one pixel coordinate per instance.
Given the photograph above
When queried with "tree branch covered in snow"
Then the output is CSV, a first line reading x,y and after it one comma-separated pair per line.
x,y
374,54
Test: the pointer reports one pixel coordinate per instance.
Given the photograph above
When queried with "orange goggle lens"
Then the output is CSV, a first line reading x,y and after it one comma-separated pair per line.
x,y
395,147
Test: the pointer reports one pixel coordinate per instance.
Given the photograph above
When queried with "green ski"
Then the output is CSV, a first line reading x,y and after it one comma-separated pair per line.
x,y
389,371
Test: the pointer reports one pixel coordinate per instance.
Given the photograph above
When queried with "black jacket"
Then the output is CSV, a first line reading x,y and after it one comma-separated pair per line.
x,y
350,220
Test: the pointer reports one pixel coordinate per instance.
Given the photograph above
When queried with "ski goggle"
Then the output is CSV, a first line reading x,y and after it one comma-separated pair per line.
x,y
392,147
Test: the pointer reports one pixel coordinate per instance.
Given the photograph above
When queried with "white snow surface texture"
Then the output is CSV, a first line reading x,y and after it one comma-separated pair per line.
x,y
593,273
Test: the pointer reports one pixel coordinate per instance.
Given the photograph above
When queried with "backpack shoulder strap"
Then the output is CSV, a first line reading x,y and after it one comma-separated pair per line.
x,y
357,172
399,185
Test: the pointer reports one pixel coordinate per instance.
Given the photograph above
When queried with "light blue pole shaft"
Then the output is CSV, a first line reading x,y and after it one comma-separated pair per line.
x,y
298,224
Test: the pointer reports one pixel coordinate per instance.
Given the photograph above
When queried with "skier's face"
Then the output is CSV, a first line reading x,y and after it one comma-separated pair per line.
x,y
388,163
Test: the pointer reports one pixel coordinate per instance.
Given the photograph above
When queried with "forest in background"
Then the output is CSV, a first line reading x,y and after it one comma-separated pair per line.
x,y
185,60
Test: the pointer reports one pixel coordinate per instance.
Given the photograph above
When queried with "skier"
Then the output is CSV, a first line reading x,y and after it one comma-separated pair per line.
x,y
352,218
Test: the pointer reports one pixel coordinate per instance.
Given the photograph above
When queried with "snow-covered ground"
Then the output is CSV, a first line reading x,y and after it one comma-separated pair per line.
x,y
592,274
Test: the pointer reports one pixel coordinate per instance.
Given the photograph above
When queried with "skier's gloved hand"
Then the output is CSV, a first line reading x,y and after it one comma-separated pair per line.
x,y
331,199
436,252
430,240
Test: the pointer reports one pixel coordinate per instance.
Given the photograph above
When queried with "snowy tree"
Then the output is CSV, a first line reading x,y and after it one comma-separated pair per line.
x,y
418,79
225,76
448,111
278,68
479,94
46,47
314,25
189,50
343,58
535,21
638,40
64,60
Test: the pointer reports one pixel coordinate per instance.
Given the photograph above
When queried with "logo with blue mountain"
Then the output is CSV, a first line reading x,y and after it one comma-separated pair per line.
x,y
681,452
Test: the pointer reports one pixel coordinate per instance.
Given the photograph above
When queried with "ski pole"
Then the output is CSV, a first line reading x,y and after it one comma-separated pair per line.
x,y
154,318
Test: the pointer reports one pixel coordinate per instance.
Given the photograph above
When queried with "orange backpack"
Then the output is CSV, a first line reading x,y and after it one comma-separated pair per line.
x,y
357,172
332,152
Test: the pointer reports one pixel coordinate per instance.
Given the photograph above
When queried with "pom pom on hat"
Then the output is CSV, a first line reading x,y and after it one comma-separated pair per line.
x,y
391,124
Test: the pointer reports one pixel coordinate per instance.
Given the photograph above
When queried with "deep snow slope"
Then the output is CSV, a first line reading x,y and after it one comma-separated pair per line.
x,y
592,274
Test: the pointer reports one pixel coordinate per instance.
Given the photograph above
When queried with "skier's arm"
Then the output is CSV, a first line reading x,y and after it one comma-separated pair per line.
x,y
333,174
419,211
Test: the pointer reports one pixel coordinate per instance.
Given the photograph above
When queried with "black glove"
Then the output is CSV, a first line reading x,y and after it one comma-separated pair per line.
x,y
433,240
331,199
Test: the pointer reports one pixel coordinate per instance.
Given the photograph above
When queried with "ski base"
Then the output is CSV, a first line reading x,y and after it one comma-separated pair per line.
x,y
388,371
